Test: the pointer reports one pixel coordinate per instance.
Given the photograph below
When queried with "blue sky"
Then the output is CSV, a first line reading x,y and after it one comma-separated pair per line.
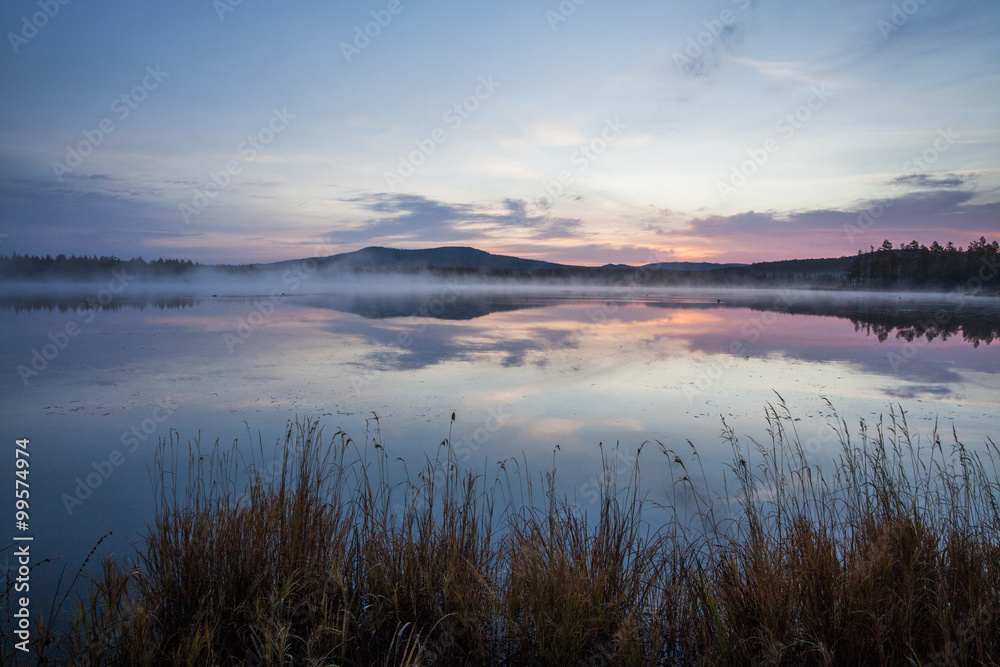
x,y
727,130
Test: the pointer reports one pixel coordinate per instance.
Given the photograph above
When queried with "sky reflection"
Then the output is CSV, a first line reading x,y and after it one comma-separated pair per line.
x,y
524,374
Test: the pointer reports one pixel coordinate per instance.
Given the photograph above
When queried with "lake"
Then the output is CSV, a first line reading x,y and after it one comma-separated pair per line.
x,y
545,375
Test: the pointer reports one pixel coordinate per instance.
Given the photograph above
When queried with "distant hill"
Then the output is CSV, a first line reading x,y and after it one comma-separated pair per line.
x,y
911,266
444,260
793,268
689,266
376,258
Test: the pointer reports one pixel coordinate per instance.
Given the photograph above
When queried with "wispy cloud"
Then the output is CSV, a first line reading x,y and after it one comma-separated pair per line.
x,y
701,87
791,71
930,181
419,219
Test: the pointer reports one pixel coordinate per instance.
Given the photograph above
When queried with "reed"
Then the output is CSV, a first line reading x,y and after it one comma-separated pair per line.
x,y
890,556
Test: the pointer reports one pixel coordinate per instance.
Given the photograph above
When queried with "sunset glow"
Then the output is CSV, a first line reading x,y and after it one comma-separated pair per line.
x,y
583,133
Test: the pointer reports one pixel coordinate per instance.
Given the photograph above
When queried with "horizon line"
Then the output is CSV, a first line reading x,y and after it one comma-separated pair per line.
x,y
442,247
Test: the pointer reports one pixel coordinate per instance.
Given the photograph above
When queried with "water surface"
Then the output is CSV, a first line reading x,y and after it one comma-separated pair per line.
x,y
524,371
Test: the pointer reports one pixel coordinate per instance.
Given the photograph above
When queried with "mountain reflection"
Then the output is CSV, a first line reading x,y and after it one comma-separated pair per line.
x,y
884,316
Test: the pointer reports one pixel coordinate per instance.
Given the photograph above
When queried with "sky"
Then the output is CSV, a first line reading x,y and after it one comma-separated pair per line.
x,y
575,131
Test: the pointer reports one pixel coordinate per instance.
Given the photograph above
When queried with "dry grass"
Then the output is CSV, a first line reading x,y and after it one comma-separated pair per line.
x,y
891,557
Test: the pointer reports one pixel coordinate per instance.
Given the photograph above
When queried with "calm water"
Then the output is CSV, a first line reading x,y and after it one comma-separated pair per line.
x,y
524,371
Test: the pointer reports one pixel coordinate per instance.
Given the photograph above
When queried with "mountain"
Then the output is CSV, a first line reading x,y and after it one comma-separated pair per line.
x,y
689,266
376,258
832,266
449,259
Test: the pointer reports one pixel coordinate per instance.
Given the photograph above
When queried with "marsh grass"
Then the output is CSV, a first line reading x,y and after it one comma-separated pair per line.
x,y
892,556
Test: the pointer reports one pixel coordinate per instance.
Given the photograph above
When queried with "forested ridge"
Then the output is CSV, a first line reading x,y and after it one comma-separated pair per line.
x,y
911,265
916,265
35,267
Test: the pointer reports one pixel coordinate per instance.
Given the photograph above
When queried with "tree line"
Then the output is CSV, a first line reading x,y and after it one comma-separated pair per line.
x,y
911,265
916,265
34,266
